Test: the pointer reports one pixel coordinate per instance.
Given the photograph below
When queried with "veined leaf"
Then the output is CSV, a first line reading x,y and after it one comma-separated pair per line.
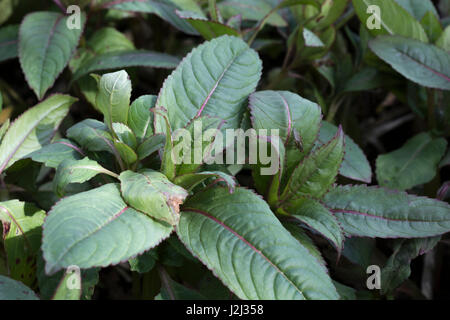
x,y
33,129
393,19
125,135
444,40
113,97
14,290
140,118
214,79
76,171
432,26
145,262
413,164
422,63
125,59
92,135
86,233
152,193
316,216
53,154
21,238
229,231
150,145
317,172
162,9
46,45
376,212
253,10
355,164
9,36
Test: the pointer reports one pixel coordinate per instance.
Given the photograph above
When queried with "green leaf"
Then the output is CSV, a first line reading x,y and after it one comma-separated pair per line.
x,y
191,180
393,19
317,172
113,97
53,154
444,40
397,268
125,59
14,290
152,193
376,212
46,45
418,8
33,129
432,26
80,231
208,29
355,164
229,231
9,36
287,112
76,171
64,292
253,10
172,290
140,118
125,134
204,82
92,135
420,155
162,9
150,145
422,63
316,216
21,238
3,128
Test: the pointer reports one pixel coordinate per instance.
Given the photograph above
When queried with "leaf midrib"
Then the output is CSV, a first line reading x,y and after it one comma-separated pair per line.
x,y
245,241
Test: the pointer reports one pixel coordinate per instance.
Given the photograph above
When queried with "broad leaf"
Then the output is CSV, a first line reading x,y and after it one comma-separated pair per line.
x,y
113,97
21,238
46,45
444,40
150,145
92,135
9,36
14,290
422,63
152,193
125,134
317,172
393,19
355,164
191,180
86,233
125,59
418,8
214,79
253,10
76,171
33,129
53,154
316,216
377,212
413,164
432,26
229,231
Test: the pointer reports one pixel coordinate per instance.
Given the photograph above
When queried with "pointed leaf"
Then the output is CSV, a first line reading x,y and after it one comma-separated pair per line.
x,y
377,212
317,172
204,82
238,237
420,155
355,164
46,45
33,129
150,145
140,118
152,193
191,180
418,8
422,63
86,233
